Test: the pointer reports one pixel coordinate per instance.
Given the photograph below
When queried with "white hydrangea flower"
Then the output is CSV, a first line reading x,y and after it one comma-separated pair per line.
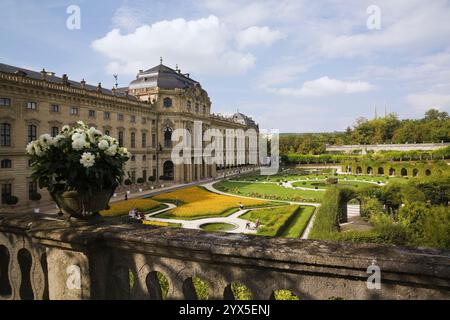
x,y
79,143
81,123
111,151
30,148
45,141
58,139
87,159
103,144
93,133
37,149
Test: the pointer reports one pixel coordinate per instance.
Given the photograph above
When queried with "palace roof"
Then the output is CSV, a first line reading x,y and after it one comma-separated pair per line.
x,y
162,77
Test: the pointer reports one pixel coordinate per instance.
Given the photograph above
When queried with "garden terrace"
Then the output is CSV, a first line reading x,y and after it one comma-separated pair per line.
x,y
43,257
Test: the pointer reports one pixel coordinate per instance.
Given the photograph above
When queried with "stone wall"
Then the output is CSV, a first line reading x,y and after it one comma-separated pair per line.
x,y
45,257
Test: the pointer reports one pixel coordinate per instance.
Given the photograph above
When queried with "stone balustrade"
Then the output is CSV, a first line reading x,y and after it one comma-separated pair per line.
x,y
364,148
43,257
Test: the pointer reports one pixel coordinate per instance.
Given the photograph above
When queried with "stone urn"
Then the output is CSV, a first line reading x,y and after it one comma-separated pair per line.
x,y
82,206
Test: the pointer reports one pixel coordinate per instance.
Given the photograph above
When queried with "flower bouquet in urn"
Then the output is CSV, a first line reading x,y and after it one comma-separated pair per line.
x,y
80,167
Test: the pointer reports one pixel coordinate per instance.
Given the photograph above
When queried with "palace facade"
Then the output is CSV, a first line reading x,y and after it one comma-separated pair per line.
x,y
141,116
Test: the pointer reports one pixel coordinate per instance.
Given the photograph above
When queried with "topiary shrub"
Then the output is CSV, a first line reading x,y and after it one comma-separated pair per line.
x,y
127,182
140,180
151,179
11,200
35,196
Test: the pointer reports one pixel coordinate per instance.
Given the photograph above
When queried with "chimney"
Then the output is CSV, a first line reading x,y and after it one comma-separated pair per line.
x,y
83,84
99,87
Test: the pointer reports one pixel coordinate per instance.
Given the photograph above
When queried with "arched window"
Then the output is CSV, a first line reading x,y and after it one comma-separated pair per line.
x,y
144,140
6,163
168,170
32,132
5,134
196,108
120,138
167,102
188,105
168,138
133,140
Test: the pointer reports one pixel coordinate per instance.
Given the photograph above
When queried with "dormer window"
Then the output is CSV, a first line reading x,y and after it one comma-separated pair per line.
x,y
167,102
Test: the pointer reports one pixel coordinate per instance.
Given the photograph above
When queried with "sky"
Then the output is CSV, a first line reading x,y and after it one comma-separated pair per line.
x,y
292,65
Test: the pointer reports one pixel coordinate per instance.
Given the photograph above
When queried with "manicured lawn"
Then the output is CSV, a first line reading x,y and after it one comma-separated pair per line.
x,y
197,202
272,219
269,191
123,207
297,225
160,224
217,227
321,184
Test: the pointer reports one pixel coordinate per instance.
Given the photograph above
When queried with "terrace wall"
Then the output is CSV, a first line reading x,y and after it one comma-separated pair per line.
x,y
40,257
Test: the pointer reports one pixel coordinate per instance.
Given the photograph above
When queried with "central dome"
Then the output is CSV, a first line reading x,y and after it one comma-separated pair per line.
x,y
162,77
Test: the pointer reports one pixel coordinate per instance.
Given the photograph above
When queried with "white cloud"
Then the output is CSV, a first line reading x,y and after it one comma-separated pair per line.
x,y
258,35
424,101
203,46
325,86
405,27
127,18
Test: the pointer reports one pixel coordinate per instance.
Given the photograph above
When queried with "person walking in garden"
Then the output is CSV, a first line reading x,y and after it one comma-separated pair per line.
x,y
241,206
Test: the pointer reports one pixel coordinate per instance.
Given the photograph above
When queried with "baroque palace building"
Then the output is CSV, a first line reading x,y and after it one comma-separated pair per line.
x,y
141,116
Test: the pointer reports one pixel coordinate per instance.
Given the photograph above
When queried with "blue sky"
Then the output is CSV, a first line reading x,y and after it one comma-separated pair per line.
x,y
297,66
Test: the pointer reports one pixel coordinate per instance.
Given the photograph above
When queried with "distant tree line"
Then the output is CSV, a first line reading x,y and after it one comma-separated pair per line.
x,y
433,127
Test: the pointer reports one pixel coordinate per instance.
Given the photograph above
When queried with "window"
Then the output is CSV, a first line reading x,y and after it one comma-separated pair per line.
x,y
144,158
107,132
144,140
188,105
133,119
133,176
92,113
133,140
167,102
74,111
32,189
106,115
133,158
31,105
6,191
54,108
32,132
54,131
168,138
5,102
154,173
120,138
204,109
5,135
153,122
6,164
153,140
196,108
144,120
120,117
144,175
154,157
